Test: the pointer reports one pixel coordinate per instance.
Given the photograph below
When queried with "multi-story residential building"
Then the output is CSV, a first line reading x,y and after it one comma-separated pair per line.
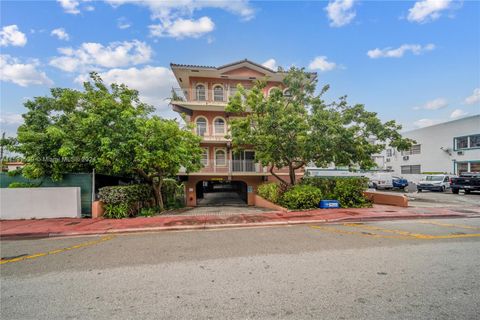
x,y
202,97
450,147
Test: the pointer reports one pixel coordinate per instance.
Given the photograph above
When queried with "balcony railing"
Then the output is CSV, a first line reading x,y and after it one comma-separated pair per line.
x,y
230,166
210,95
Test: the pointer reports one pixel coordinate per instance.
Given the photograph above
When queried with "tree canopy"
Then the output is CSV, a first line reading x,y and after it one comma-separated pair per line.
x,y
103,128
295,127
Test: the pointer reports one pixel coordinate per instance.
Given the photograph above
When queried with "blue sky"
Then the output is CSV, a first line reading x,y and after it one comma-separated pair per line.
x,y
417,62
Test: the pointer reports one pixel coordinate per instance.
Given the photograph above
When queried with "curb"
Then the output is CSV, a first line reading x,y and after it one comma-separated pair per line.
x,y
205,226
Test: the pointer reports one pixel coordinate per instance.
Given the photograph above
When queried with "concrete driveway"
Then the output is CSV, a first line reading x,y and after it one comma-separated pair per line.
x,y
434,199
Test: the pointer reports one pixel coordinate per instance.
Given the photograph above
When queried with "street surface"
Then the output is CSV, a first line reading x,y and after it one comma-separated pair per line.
x,y
415,269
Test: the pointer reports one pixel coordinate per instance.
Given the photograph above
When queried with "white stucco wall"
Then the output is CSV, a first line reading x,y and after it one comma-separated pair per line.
x,y
432,158
28,203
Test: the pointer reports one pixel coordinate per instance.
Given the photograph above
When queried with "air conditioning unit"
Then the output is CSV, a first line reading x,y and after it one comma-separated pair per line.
x,y
460,153
406,158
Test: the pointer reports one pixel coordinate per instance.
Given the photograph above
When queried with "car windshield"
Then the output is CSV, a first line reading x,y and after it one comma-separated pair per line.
x,y
434,178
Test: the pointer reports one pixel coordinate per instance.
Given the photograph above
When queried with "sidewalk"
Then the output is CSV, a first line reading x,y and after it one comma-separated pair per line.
x,y
74,227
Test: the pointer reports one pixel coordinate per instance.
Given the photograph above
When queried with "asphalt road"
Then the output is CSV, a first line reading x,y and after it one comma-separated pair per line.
x,y
384,270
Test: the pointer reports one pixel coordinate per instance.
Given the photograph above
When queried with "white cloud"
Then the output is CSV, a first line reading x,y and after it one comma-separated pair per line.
x,y
427,10
321,63
474,98
171,10
183,28
434,104
153,83
422,123
123,23
11,35
270,64
70,6
11,118
457,113
340,12
92,56
175,17
23,74
60,33
416,49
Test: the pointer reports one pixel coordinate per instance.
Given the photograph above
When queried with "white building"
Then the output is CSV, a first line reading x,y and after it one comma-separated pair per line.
x,y
450,147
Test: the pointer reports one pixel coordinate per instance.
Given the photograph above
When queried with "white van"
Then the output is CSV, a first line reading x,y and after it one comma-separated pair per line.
x,y
381,180
435,182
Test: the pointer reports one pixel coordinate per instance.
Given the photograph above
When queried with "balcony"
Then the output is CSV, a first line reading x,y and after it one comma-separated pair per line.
x,y
209,96
230,167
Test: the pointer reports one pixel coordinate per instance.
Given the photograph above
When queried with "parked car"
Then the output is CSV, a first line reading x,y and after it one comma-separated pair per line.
x,y
399,183
468,181
436,182
381,180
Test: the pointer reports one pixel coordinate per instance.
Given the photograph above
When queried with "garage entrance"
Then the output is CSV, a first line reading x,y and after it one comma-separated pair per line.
x,y
221,193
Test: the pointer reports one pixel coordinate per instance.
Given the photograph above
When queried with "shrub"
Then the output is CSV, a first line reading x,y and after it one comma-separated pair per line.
x,y
117,211
122,201
22,185
173,194
125,194
349,192
301,197
149,212
270,191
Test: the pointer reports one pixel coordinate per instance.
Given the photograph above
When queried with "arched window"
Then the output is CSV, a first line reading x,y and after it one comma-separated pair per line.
x,y
287,93
219,126
220,157
218,93
201,126
200,92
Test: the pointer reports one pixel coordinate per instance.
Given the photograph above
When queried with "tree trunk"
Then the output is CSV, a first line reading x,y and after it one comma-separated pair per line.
x,y
291,172
157,193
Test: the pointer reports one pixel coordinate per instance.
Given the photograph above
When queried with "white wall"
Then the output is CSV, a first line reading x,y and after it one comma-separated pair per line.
x,y
431,139
28,203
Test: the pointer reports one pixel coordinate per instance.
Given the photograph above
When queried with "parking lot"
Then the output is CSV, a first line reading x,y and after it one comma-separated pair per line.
x,y
447,199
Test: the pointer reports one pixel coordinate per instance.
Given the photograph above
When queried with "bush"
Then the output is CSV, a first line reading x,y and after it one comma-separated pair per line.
x,y
123,201
22,185
149,212
301,197
173,194
347,190
270,191
117,211
125,194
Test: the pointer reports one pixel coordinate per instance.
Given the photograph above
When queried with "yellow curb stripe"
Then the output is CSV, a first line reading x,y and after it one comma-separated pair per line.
x,y
371,235
42,254
400,234
441,224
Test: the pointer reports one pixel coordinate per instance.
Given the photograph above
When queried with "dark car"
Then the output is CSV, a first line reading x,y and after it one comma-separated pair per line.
x,y
468,181
399,183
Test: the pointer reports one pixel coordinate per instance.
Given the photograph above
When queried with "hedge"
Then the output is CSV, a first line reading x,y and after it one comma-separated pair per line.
x,y
124,201
270,191
301,197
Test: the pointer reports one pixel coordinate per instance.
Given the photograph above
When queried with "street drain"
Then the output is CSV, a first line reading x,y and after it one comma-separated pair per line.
x,y
458,233
14,257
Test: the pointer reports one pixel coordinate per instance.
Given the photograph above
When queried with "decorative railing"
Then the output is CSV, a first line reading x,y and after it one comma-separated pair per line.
x,y
230,166
210,95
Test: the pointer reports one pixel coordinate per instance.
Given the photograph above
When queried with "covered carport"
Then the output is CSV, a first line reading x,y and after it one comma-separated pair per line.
x,y
221,193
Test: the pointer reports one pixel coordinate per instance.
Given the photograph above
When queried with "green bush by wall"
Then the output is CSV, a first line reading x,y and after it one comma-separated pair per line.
x,y
270,191
301,197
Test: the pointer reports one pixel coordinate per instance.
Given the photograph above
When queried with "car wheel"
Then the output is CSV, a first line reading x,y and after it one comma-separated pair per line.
x,y
442,189
455,191
419,190
375,186
467,191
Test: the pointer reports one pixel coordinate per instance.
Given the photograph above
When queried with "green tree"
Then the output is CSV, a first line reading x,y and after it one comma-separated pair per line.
x,y
298,127
103,128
